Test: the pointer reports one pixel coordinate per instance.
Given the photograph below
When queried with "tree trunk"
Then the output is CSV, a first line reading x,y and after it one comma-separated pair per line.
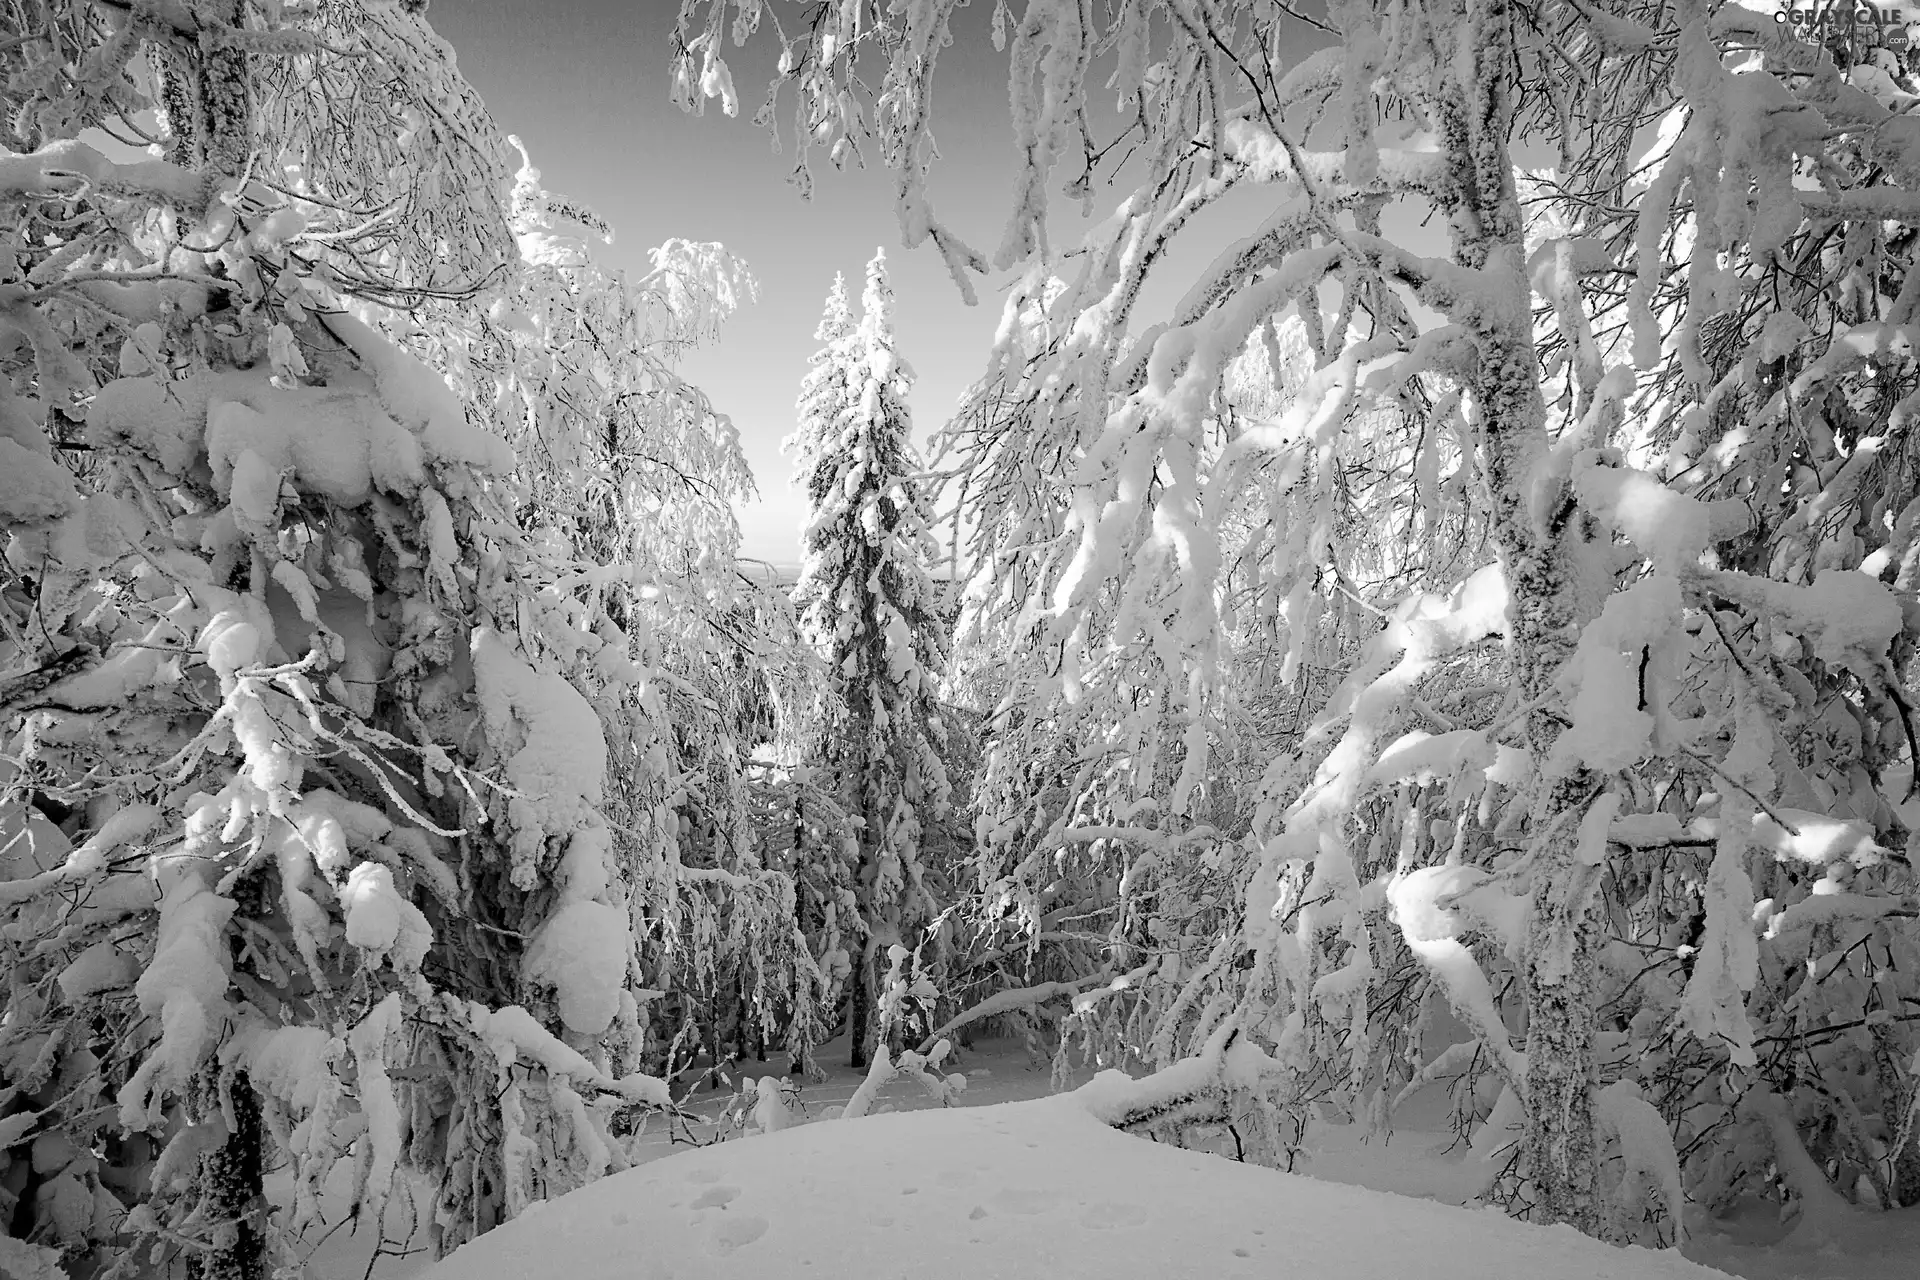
x,y
1563,938
861,1006
1891,1053
234,1197
1563,943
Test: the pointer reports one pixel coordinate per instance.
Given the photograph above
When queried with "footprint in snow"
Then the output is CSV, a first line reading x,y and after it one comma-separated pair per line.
x,y
1025,1200
735,1231
715,1198
703,1175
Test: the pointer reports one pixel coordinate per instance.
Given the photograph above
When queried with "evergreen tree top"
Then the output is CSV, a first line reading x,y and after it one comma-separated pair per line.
x,y
876,302
836,320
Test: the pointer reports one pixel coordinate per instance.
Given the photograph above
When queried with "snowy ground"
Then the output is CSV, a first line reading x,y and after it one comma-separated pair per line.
x,y
1046,1182
1023,1189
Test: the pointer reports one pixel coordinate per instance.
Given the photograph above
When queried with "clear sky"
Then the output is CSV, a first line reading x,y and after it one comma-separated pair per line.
x,y
584,85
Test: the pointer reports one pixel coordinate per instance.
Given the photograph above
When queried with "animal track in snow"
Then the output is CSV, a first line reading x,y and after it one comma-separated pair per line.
x,y
735,1231
715,1197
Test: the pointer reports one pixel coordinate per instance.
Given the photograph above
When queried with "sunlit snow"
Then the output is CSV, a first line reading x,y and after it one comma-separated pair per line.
x,y
1012,1190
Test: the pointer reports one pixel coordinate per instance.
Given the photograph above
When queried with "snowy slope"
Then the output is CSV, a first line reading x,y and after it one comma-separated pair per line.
x,y
1015,1190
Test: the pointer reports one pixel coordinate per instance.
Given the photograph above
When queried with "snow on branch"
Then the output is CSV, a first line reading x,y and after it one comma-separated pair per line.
x,y
513,1033
1649,1163
22,1261
923,1067
69,169
1432,906
1193,1090
1029,997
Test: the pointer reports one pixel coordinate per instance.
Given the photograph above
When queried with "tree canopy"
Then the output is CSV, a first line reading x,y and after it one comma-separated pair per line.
x,y
378,680
1534,649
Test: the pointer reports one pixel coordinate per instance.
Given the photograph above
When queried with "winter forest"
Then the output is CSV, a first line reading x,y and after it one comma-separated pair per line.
x,y
1448,653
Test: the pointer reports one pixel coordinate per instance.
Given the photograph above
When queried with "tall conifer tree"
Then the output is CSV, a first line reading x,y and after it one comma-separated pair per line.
x,y
867,599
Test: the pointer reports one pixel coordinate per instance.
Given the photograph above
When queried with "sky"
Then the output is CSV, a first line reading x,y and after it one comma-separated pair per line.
x,y
584,84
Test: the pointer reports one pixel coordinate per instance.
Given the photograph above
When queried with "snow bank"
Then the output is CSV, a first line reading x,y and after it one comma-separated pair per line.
x,y
1020,1189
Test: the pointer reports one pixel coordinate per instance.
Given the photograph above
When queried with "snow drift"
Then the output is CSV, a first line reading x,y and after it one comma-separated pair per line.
x,y
1017,1189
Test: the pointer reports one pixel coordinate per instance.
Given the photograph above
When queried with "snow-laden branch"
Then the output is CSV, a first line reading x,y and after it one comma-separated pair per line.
x,y
1823,1211
68,169
1649,1164
92,858
1029,997
1193,1090
923,1067
512,1033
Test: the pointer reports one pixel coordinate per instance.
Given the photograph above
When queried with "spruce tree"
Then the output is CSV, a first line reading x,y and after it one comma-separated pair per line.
x,y
866,599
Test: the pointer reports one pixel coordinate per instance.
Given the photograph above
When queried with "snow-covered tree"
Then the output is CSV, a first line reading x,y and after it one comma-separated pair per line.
x,y
1613,456
373,748
632,492
867,599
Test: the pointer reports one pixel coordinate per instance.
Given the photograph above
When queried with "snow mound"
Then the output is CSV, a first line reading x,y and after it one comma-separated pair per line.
x,y
1020,1189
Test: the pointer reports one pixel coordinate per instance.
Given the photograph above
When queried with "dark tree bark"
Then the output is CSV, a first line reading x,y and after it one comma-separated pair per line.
x,y
1892,1052
862,1001
231,1176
